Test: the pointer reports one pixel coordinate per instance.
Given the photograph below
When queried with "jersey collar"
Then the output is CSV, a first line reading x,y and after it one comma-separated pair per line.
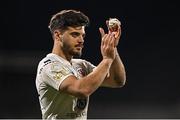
x,y
59,58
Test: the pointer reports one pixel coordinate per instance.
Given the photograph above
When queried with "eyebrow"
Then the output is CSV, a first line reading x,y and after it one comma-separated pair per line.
x,y
77,33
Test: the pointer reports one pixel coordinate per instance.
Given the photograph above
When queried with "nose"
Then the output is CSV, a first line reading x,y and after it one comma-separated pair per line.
x,y
81,39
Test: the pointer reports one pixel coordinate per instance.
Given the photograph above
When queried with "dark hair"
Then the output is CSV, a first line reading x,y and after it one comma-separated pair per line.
x,y
66,18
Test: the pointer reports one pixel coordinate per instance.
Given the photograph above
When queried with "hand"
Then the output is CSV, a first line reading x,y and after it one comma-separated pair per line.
x,y
107,45
117,33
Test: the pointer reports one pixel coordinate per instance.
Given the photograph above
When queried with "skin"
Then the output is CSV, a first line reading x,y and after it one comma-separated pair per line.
x,y
69,43
117,75
109,72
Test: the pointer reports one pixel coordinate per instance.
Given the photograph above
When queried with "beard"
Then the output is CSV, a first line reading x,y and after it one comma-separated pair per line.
x,y
68,49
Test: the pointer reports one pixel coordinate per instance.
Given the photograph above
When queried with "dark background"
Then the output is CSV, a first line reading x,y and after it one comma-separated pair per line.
x,y
149,48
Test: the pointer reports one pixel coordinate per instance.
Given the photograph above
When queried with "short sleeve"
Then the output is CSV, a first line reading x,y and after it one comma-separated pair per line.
x,y
90,67
55,73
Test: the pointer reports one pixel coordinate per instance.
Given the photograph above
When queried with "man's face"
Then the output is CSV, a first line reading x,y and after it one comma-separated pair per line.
x,y
72,40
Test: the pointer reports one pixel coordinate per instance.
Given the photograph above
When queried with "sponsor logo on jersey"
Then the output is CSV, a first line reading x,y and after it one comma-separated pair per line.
x,y
59,71
81,103
75,115
58,76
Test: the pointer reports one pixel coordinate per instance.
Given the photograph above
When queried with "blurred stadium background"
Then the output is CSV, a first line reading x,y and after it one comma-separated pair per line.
x,y
149,48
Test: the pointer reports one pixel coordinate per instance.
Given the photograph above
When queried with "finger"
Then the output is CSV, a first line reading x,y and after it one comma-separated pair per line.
x,y
119,32
107,23
107,39
101,30
111,40
103,39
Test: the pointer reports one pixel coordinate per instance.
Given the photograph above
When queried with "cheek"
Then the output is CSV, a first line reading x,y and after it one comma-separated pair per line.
x,y
67,45
69,42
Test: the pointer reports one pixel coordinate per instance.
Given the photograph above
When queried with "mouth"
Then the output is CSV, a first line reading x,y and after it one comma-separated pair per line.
x,y
79,46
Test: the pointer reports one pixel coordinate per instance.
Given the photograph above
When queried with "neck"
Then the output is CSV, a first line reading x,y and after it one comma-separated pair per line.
x,y
58,51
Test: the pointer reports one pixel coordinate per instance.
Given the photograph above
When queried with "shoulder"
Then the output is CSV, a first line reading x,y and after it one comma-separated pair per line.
x,y
45,61
82,62
49,59
79,61
50,64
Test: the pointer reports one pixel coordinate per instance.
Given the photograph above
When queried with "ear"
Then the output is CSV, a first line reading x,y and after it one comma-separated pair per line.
x,y
57,35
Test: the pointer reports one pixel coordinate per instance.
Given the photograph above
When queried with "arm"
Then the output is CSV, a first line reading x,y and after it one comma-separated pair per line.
x,y
117,75
86,86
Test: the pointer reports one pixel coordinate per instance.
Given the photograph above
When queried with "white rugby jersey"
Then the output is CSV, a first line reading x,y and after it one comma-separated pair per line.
x,y
51,72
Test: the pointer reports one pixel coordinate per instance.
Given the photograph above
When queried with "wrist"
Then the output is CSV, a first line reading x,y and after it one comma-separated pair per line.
x,y
116,52
107,60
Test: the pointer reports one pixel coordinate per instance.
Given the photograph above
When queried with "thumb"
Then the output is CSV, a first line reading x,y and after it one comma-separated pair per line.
x,y
101,30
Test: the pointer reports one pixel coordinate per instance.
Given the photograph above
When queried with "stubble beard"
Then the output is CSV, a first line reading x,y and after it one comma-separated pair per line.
x,y
70,51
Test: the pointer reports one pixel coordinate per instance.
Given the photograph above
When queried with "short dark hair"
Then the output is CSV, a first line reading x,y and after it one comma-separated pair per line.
x,y
66,18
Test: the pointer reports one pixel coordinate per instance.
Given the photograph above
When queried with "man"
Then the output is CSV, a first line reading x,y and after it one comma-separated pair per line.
x,y
64,84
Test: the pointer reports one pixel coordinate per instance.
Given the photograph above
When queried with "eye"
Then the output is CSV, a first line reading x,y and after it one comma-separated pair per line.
x,y
75,34
84,35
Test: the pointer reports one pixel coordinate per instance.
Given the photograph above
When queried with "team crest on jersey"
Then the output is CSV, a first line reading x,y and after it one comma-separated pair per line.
x,y
81,72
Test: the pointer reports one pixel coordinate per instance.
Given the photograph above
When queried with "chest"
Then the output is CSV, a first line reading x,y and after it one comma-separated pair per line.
x,y
78,70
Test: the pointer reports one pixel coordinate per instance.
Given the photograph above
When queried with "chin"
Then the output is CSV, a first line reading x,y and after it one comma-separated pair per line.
x,y
77,54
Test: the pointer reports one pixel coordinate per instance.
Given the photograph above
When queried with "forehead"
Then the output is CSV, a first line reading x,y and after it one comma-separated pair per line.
x,y
80,29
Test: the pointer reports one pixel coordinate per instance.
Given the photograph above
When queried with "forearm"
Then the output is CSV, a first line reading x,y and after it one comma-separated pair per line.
x,y
91,82
117,71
